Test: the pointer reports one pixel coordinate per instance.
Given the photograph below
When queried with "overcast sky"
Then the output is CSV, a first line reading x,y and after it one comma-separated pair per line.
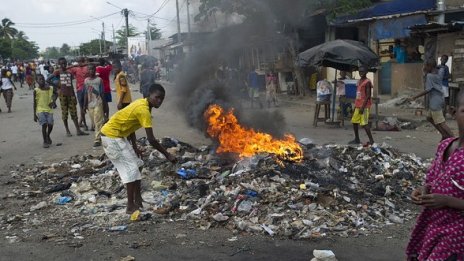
x,y
37,17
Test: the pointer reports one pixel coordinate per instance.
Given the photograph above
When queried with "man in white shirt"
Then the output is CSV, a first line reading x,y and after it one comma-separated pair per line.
x,y
14,71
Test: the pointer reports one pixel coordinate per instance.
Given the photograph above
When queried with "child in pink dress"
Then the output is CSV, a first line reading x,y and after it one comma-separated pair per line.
x,y
439,232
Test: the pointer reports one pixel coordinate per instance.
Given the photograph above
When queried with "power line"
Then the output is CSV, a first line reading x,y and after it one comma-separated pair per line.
x,y
157,11
63,24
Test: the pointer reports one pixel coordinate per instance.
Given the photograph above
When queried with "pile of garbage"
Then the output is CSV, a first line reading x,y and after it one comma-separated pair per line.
x,y
402,102
335,190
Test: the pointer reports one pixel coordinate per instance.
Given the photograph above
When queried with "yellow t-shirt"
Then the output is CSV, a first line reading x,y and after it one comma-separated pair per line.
x,y
120,89
126,121
43,98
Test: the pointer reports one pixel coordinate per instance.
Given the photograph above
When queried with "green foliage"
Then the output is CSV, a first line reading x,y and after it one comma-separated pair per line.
x,y
52,53
7,31
65,49
121,38
93,47
23,49
154,31
5,48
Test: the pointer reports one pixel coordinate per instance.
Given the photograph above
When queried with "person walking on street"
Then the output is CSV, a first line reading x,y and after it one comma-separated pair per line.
x,y
94,102
123,91
444,72
271,89
44,102
103,71
68,101
118,134
434,90
362,105
147,78
7,89
80,73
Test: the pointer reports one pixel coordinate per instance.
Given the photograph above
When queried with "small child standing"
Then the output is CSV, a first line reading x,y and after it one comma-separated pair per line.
x,y
44,102
94,102
439,231
362,106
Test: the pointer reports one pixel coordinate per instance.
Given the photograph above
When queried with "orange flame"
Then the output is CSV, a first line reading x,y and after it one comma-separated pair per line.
x,y
235,138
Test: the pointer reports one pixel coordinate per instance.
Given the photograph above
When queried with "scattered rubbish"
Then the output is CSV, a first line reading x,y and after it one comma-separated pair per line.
x,y
268,230
232,239
40,205
62,200
12,239
135,216
306,141
127,258
118,228
323,255
186,173
335,190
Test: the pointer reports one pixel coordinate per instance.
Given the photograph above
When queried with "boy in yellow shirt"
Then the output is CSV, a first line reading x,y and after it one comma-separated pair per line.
x,y
125,156
44,102
123,91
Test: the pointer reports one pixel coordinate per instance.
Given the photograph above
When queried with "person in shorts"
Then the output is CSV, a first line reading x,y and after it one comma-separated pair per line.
x,y
80,72
44,102
120,144
436,99
362,105
67,96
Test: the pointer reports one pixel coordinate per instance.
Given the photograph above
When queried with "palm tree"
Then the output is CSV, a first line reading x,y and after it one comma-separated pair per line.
x,y
21,35
7,31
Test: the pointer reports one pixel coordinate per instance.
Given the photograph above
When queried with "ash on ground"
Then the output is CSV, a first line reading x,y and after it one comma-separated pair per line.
x,y
335,191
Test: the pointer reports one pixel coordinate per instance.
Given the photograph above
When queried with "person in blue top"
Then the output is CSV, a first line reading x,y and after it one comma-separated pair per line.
x,y
253,85
399,52
444,72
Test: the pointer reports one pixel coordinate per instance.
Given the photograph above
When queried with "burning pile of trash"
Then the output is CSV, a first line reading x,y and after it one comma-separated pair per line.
x,y
335,189
294,189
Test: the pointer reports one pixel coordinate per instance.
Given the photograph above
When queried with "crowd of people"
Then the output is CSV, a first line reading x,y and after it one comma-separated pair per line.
x,y
439,232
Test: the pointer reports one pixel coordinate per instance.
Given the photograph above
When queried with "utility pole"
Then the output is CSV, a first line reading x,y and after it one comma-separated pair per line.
x,y
114,40
148,36
179,36
189,29
126,15
103,36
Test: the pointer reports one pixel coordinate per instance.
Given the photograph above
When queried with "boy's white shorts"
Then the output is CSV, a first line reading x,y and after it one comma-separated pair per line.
x,y
122,155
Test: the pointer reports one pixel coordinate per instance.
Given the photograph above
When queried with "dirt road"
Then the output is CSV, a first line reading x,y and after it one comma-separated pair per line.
x,y
20,143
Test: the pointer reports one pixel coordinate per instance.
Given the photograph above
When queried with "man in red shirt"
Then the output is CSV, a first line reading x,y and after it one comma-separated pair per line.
x,y
362,106
104,71
80,73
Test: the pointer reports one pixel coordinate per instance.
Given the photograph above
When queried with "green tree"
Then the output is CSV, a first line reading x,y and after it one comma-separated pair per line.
x,y
65,49
24,50
121,38
93,47
51,53
7,31
5,48
155,32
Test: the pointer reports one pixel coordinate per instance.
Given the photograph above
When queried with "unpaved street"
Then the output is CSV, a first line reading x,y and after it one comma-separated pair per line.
x,y
20,143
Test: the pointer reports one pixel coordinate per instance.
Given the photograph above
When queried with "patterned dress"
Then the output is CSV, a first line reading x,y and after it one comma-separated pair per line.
x,y
439,233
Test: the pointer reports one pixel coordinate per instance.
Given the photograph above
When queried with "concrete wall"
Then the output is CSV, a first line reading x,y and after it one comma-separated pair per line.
x,y
452,44
406,78
454,4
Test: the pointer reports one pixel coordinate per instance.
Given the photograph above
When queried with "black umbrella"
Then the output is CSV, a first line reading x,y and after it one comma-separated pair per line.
x,y
344,55
146,59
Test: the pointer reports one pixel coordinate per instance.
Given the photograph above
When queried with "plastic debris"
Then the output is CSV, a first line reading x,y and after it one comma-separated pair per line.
x,y
323,255
335,190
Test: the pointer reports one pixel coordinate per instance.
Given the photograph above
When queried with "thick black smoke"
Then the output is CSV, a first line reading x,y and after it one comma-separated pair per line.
x,y
198,87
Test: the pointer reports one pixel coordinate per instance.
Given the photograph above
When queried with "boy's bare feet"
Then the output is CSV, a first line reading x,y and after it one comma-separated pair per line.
x,y
131,209
81,133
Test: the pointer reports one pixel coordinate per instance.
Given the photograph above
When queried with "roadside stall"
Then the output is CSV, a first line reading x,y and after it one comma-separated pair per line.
x,y
342,55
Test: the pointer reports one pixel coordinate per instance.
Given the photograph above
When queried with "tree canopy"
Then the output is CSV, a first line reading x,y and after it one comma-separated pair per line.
x,y
121,38
154,31
15,44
